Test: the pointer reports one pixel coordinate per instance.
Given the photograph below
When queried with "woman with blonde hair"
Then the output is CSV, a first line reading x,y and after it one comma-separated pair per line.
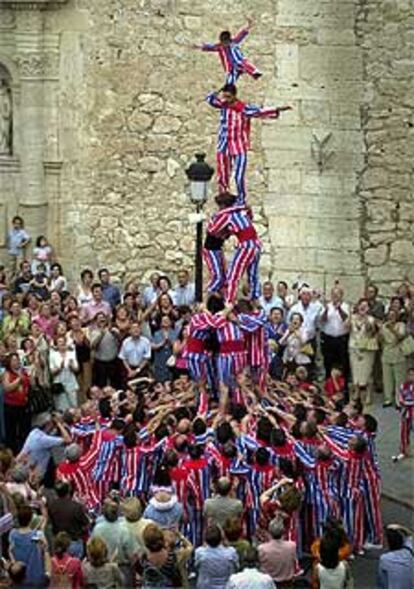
x,y
97,571
363,345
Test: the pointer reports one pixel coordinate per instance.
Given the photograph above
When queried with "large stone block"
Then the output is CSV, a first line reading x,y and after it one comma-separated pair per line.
x,y
287,231
316,260
287,59
308,13
402,251
325,63
311,206
376,256
302,138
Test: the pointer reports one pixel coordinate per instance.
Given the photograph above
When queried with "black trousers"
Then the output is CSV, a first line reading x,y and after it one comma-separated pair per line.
x,y
17,422
108,373
335,353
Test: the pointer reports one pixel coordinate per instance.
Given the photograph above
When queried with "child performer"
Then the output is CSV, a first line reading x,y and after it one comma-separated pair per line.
x,y
232,59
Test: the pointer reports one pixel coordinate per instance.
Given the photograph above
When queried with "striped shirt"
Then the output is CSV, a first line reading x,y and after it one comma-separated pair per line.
x,y
230,55
235,221
234,129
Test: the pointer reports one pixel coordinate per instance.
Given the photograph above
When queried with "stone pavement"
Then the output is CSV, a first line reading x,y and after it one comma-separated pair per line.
x,y
398,478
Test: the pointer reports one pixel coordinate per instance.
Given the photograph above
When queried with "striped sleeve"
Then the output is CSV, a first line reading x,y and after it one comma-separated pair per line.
x,y
251,110
240,36
213,100
210,47
305,458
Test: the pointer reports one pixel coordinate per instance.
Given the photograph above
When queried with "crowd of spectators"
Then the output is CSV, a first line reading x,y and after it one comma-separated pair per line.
x,y
118,470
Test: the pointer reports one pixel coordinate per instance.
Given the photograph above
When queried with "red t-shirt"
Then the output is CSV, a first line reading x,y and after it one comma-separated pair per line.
x,y
18,397
330,389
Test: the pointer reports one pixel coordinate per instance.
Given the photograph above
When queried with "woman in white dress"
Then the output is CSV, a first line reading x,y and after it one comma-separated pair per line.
x,y
63,367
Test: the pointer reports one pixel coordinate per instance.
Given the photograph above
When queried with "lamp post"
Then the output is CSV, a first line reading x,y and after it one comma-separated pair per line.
x,y
199,174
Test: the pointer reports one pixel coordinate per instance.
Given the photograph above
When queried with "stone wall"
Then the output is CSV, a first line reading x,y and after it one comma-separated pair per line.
x,y
314,158
385,33
111,119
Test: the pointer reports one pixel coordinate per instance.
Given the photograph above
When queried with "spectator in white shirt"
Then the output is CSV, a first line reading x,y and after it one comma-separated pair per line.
x,y
151,292
310,311
250,577
282,290
184,292
335,333
269,300
135,352
296,350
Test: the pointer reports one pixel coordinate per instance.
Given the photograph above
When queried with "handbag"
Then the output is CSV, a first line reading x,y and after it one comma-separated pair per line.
x,y
307,350
407,345
39,400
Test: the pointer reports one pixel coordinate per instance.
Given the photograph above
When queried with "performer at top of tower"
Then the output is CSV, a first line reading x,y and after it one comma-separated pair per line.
x,y
233,140
233,61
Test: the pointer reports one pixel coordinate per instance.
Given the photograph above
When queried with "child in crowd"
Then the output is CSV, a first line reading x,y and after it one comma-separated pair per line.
x,y
17,240
406,414
42,254
39,282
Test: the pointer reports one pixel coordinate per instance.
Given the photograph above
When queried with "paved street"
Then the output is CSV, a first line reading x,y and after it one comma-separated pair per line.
x,y
398,478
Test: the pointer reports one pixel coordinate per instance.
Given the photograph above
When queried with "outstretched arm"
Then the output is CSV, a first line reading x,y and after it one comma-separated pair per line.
x,y
208,46
253,111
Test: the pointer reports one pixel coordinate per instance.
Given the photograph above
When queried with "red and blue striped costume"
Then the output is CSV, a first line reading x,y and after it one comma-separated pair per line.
x,y
406,415
232,59
215,261
256,343
237,221
199,360
74,474
198,482
102,461
321,490
232,356
137,467
234,140
359,495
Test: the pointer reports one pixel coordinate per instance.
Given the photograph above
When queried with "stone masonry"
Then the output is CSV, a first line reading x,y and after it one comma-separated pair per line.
x,y
108,111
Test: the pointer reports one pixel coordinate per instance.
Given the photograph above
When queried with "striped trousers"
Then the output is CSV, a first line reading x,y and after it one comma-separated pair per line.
x,y
246,259
245,67
406,425
216,265
226,164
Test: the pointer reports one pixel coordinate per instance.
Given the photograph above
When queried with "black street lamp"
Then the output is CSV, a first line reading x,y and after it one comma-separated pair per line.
x,y
199,173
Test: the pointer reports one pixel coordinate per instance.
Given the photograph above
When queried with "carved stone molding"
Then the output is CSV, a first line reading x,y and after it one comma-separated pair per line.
x,y
36,65
7,20
31,4
9,164
52,167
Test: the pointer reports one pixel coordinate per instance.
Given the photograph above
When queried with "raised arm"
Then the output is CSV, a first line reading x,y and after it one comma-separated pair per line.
x,y
240,36
213,100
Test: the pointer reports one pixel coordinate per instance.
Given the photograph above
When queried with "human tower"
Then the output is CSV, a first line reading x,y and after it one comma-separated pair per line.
x,y
240,337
